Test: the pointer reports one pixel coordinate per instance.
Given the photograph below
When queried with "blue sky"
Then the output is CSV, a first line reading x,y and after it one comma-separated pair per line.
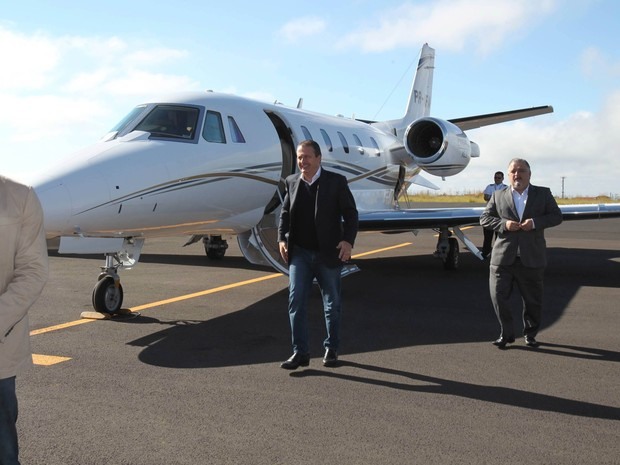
x,y
71,70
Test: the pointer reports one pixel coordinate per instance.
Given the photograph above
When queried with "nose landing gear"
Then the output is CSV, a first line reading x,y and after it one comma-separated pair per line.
x,y
108,291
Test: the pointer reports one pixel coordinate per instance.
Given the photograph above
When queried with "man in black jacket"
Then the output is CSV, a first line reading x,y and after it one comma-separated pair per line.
x,y
316,233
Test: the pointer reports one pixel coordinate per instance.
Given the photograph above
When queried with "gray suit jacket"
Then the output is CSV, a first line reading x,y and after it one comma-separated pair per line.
x,y
531,245
335,215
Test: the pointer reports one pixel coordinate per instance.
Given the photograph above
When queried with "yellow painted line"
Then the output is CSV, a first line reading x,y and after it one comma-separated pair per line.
x,y
462,229
34,332
226,287
239,284
47,360
381,250
207,292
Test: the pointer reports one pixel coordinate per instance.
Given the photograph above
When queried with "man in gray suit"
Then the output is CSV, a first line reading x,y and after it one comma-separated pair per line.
x,y
519,215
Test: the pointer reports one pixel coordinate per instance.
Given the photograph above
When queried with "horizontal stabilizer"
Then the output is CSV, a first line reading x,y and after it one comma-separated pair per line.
x,y
473,122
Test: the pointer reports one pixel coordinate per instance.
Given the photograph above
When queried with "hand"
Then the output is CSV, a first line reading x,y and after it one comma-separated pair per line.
x,y
283,251
527,225
345,250
512,225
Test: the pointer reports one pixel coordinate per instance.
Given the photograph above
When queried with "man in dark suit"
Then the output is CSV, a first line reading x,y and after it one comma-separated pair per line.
x,y
519,215
316,232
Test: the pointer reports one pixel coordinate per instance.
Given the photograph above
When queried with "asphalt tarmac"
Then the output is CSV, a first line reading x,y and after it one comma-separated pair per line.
x,y
193,377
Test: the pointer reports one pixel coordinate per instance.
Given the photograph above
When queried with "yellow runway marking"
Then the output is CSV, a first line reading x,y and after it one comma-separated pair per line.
x,y
226,287
381,250
201,293
47,360
49,329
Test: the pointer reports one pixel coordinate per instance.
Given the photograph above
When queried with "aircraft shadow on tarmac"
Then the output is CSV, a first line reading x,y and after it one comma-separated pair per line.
x,y
395,302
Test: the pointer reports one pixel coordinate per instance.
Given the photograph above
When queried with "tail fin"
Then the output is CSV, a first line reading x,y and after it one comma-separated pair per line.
x,y
419,104
422,89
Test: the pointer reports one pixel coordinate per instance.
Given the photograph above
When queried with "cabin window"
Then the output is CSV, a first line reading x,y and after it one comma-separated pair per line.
x,y
170,121
359,144
214,129
343,141
327,140
375,145
235,132
307,134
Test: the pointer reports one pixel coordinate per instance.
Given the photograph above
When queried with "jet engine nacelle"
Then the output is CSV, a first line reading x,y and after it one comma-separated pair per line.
x,y
439,147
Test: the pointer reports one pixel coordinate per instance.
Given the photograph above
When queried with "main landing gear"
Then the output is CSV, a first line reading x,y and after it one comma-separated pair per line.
x,y
447,249
215,247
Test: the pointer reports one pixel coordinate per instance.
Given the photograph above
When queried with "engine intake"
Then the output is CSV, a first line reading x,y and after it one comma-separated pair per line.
x,y
439,147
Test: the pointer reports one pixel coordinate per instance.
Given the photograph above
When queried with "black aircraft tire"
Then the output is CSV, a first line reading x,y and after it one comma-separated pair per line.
x,y
216,254
452,260
107,298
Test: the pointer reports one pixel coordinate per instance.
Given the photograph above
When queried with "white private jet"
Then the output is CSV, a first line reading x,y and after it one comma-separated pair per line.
x,y
209,165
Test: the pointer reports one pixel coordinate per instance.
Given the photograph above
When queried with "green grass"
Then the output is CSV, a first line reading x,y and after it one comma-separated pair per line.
x,y
477,198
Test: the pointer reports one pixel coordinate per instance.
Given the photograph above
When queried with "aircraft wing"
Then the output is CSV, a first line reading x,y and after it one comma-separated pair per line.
x,y
473,122
418,218
431,218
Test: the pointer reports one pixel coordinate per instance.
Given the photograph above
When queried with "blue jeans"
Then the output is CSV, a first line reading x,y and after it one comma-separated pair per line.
x,y
8,419
305,265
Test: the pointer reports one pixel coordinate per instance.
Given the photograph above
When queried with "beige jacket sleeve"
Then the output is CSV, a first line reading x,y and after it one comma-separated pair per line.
x,y
23,254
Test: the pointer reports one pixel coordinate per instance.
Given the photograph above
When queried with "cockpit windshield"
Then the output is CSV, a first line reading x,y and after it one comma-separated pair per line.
x,y
133,114
170,121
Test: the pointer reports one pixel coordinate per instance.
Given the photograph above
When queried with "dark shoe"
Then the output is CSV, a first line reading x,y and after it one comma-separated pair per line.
x,y
295,361
502,341
531,341
330,359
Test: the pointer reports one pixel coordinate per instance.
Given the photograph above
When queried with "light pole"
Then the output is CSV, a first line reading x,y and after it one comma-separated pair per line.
x,y
563,178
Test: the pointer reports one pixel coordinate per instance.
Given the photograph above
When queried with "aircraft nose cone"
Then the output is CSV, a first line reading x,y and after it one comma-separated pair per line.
x,y
56,205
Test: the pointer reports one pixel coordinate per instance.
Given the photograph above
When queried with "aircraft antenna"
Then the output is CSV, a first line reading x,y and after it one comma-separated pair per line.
x,y
395,86
300,102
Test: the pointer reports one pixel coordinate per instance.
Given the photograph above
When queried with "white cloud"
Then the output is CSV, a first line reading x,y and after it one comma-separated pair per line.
x,y
594,63
59,93
449,24
154,56
48,116
304,27
141,83
88,82
26,60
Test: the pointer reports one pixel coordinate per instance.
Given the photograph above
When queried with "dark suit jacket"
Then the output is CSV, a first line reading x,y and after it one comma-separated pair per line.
x,y
335,215
540,206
